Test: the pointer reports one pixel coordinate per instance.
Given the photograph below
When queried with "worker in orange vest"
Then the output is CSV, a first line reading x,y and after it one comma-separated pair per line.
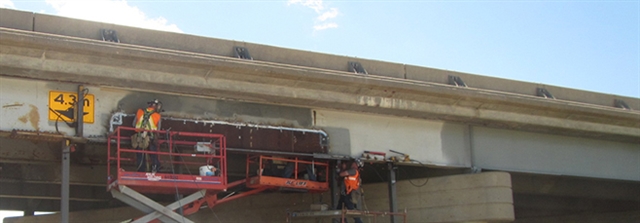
x,y
147,119
350,185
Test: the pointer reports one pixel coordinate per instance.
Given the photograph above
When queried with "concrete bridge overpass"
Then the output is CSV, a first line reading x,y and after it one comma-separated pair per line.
x,y
570,155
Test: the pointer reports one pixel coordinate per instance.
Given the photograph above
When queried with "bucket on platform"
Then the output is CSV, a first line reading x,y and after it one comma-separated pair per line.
x,y
207,170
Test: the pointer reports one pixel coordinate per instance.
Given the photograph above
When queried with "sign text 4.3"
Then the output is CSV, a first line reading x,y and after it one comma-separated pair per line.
x,y
62,106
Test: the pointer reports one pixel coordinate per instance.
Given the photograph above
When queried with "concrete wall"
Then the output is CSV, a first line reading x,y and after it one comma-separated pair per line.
x,y
182,42
482,197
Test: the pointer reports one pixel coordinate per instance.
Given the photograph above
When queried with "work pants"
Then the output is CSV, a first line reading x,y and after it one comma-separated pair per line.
x,y
141,161
346,201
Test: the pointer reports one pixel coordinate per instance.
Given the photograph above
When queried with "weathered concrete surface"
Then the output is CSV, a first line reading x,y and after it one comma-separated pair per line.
x,y
15,19
515,151
482,197
189,43
265,207
42,56
575,187
25,105
485,197
94,175
430,142
618,217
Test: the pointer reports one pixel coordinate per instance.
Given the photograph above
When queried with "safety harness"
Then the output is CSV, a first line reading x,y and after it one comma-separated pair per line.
x,y
352,183
143,138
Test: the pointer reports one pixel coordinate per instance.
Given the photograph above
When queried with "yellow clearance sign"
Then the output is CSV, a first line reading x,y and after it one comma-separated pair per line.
x,y
61,106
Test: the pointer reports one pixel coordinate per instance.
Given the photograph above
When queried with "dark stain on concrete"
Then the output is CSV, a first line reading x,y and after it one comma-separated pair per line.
x,y
192,107
13,105
33,116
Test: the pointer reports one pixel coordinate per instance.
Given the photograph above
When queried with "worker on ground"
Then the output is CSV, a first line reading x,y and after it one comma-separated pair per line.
x,y
351,183
147,119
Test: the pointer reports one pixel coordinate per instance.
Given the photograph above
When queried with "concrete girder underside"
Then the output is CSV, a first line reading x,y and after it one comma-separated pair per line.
x,y
484,197
52,57
549,198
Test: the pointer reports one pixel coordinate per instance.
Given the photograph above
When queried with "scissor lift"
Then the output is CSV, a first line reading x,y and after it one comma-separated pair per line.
x,y
184,149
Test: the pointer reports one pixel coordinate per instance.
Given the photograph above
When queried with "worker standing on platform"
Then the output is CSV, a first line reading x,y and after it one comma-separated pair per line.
x,y
351,184
147,119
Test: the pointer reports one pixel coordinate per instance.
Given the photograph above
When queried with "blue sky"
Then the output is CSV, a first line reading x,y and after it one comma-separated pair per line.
x,y
587,45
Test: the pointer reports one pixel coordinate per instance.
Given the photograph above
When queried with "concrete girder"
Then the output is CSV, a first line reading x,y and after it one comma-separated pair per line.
x,y
51,57
39,191
44,152
527,206
575,187
51,174
588,217
17,151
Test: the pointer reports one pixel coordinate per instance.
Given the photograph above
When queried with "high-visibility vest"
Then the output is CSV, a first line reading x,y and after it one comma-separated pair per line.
x,y
147,119
352,183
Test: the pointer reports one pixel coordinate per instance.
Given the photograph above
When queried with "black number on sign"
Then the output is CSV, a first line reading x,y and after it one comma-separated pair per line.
x,y
60,99
86,103
73,99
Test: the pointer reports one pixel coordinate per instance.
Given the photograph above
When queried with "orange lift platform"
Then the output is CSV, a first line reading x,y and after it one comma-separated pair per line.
x,y
203,151
289,176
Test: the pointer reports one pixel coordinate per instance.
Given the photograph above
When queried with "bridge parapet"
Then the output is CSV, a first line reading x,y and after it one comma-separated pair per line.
x,y
212,46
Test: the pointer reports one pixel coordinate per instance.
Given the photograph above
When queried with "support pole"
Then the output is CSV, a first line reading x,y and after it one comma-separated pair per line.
x,y
335,188
66,153
333,185
80,112
393,199
28,212
30,208
64,192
